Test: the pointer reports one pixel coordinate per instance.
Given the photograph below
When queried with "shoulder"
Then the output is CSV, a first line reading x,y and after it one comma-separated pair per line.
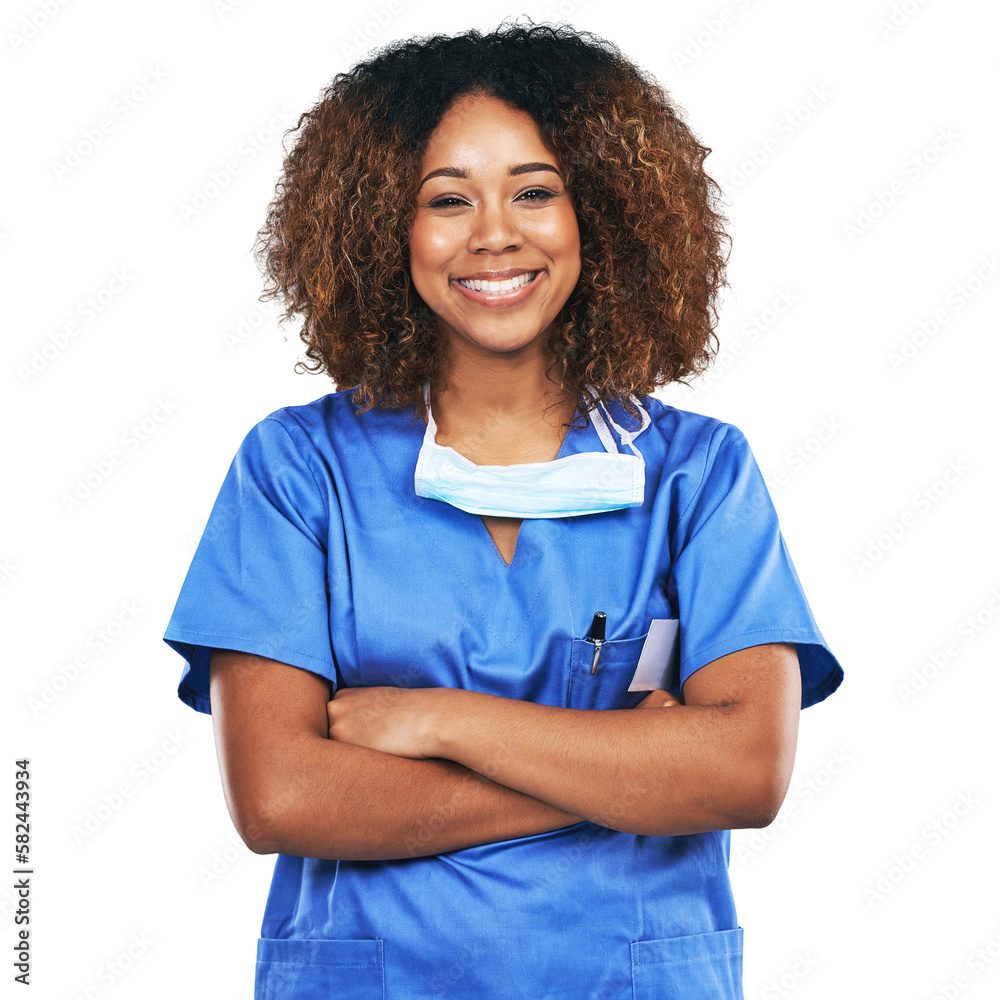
x,y
298,439
706,461
317,429
695,437
326,414
335,441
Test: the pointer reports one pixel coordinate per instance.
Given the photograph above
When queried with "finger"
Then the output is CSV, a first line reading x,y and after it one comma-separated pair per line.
x,y
652,700
658,698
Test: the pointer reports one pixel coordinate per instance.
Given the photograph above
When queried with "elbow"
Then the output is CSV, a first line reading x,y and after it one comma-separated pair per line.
x,y
263,819
255,823
765,775
761,797
272,804
259,837
760,812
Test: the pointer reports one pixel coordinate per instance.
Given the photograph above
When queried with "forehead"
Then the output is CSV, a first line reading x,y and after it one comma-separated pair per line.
x,y
476,124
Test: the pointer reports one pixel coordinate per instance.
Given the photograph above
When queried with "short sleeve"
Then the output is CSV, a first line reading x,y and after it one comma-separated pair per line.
x,y
732,576
257,581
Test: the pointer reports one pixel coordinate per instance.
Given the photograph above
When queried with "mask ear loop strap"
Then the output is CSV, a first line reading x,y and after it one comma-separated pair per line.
x,y
600,426
431,430
627,437
419,471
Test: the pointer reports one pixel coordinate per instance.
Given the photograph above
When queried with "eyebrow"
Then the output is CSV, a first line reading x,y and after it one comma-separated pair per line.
x,y
521,168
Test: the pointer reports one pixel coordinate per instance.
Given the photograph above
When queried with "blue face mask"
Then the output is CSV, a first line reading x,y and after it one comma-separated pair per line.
x,y
586,483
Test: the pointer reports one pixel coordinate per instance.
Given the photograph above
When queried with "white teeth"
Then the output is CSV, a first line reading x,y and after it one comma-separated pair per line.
x,y
498,287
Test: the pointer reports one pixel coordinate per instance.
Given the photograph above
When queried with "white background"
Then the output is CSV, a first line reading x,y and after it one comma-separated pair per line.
x,y
883,471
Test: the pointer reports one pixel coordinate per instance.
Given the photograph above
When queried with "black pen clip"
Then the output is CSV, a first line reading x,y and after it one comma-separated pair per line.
x,y
596,636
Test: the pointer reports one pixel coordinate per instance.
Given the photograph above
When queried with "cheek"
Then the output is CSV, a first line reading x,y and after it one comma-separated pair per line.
x,y
563,241
431,251
562,233
418,248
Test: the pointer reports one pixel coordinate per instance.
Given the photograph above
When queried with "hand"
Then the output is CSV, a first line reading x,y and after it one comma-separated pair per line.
x,y
393,720
658,698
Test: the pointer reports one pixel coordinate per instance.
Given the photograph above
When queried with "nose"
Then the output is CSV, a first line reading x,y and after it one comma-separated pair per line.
x,y
494,228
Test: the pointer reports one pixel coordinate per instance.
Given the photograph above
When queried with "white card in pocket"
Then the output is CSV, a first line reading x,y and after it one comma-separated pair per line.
x,y
658,659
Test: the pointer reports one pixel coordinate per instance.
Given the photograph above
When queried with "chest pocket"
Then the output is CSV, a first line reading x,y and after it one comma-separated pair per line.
x,y
608,686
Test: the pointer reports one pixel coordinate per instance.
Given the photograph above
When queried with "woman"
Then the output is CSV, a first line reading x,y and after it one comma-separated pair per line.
x,y
501,244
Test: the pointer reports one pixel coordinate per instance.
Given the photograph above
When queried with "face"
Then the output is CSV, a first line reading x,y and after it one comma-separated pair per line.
x,y
495,245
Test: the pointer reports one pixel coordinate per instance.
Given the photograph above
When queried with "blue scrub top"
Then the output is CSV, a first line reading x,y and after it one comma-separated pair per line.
x,y
318,553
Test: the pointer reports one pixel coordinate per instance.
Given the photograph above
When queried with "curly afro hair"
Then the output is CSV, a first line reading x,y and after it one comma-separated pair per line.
x,y
335,243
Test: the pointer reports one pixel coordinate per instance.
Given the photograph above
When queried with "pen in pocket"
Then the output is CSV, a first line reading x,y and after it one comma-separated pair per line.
x,y
596,636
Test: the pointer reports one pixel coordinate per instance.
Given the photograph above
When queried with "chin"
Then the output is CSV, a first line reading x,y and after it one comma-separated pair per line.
x,y
504,341
504,346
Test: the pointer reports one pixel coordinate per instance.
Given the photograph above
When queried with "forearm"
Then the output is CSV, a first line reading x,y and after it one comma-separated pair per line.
x,y
350,802
679,770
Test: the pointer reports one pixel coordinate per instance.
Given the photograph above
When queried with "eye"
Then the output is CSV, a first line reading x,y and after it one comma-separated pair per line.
x,y
446,202
543,194
450,200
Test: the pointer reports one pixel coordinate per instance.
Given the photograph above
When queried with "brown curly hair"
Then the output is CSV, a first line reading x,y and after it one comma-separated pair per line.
x,y
335,243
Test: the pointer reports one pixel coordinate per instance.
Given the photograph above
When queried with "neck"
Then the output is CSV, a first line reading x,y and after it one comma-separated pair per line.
x,y
500,399
501,389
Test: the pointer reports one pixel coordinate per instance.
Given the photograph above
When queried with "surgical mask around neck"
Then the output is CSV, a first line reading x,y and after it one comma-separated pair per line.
x,y
585,483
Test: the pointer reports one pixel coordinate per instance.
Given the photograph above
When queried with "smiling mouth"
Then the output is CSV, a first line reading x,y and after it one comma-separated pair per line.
x,y
499,287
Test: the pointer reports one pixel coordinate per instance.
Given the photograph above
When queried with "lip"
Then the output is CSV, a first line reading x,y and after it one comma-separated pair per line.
x,y
501,300
510,272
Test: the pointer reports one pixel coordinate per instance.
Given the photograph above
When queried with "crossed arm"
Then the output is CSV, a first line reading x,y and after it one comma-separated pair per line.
x,y
385,772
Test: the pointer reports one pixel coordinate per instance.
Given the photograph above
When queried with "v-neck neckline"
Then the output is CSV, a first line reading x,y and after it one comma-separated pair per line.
x,y
520,527
517,538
